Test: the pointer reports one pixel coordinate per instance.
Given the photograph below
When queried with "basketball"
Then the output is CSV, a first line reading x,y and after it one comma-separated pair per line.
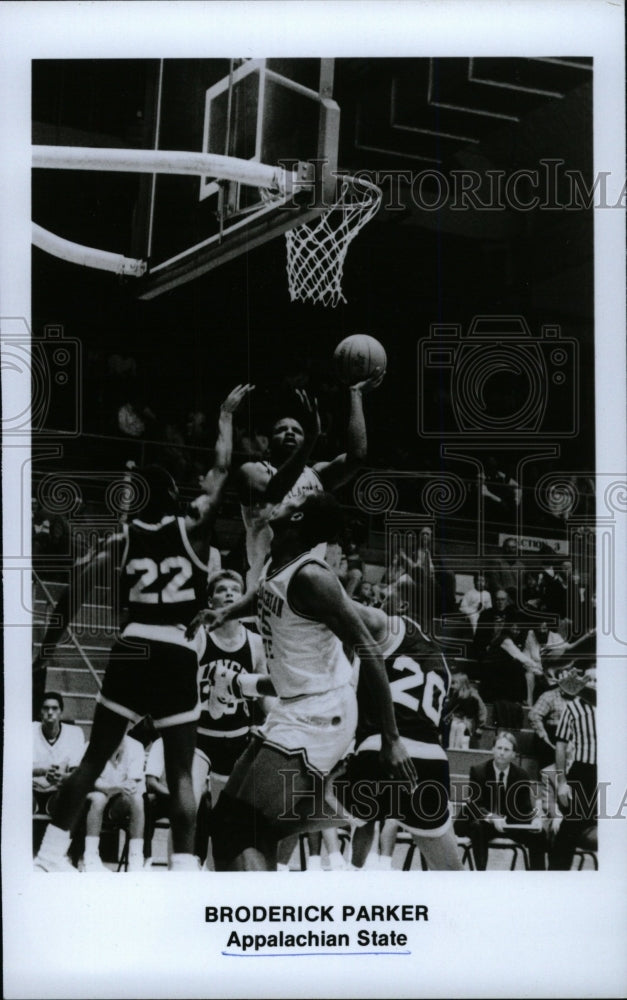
x,y
356,358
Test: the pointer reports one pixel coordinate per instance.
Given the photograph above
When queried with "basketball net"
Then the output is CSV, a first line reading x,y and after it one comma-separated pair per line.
x,y
316,251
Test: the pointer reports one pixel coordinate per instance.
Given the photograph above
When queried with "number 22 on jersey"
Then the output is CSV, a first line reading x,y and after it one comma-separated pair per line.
x,y
414,692
168,591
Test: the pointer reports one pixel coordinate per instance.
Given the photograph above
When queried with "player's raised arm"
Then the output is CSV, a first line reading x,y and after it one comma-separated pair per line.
x,y
316,593
341,468
205,506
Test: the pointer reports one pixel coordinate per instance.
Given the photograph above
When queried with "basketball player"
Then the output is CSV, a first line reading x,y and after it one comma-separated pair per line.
x,y
419,680
153,667
305,619
287,476
231,651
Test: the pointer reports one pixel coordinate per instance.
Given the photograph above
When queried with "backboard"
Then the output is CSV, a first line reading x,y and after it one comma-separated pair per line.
x,y
271,111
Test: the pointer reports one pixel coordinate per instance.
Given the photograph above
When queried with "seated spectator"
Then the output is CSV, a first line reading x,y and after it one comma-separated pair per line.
x,y
467,713
490,625
553,588
500,794
508,570
539,640
354,567
57,749
531,591
117,796
157,799
475,600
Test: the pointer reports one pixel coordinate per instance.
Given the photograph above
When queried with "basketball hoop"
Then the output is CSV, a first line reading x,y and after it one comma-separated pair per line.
x,y
316,251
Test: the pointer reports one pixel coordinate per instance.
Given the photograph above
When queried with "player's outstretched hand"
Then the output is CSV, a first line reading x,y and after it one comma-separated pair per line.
x,y
311,418
210,618
398,763
372,382
236,397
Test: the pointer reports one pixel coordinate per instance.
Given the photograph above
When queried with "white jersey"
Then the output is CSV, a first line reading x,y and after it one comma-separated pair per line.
x,y
66,751
256,517
304,656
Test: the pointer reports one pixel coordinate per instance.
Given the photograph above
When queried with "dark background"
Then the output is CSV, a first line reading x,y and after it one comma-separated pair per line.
x,y
406,270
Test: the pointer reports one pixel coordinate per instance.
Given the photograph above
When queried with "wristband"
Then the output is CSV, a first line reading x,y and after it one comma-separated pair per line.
x,y
249,684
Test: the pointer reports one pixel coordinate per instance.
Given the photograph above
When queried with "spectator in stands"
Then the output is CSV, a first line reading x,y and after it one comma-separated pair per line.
x,y
57,749
508,571
499,795
576,791
354,571
475,600
553,587
505,669
51,532
577,615
500,492
490,625
531,591
117,795
467,714
539,640
544,719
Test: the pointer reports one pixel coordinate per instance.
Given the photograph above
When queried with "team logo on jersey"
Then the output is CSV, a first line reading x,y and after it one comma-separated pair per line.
x,y
216,690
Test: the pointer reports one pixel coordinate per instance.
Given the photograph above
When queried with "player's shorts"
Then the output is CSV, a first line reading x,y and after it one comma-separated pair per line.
x,y
163,683
368,793
222,751
318,726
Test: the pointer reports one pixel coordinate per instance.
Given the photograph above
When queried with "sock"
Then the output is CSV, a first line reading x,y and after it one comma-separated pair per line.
x,y
314,863
282,868
353,868
92,845
55,842
136,848
336,861
385,862
183,863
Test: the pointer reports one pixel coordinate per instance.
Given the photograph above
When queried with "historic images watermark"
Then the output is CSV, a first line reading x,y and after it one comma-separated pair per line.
x,y
547,186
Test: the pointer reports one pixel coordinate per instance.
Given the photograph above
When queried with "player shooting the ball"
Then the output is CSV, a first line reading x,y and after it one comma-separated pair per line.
x,y
287,476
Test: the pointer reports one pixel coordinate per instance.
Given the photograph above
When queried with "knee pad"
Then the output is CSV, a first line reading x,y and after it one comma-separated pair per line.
x,y
236,825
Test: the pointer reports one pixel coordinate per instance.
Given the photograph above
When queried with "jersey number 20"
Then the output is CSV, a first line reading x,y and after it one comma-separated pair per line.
x,y
433,691
173,590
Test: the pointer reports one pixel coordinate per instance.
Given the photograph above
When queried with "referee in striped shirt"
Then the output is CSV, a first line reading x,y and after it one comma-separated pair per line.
x,y
576,794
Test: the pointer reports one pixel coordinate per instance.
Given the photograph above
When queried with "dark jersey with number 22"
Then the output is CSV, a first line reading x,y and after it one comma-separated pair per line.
x,y
419,680
162,579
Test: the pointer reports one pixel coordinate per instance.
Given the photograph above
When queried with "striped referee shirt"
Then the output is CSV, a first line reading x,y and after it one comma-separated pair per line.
x,y
578,723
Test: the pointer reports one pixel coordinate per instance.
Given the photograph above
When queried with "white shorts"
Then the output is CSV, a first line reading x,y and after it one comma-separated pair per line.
x,y
322,726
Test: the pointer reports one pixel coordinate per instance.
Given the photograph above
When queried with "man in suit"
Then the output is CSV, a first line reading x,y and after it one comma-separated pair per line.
x,y
499,795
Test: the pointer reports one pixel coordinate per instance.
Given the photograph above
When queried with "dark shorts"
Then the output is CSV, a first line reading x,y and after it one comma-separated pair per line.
x,y
163,685
368,794
222,751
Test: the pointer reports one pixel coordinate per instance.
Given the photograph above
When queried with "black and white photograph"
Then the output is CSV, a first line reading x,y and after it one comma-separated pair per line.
x,y
313,365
